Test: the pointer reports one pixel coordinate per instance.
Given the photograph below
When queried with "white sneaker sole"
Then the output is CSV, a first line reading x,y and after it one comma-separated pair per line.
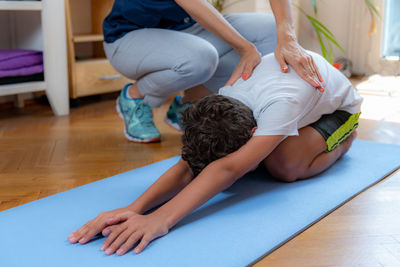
x,y
127,136
172,124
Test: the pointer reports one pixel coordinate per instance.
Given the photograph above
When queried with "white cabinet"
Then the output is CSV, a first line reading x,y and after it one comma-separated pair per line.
x,y
53,34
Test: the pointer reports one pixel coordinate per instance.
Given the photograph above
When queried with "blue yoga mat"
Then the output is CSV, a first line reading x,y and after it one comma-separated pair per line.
x,y
235,228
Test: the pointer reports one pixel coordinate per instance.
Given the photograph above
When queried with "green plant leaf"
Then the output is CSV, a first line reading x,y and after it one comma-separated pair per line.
x,y
325,36
218,4
319,27
331,55
314,4
321,43
372,6
320,24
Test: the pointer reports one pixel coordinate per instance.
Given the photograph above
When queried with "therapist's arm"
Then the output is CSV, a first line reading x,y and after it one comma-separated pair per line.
x,y
288,50
207,16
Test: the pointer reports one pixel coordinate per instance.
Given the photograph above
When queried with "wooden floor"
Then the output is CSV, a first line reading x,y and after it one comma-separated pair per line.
x,y
41,155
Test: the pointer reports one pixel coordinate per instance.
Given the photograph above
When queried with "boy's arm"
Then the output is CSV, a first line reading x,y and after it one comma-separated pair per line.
x,y
167,186
216,177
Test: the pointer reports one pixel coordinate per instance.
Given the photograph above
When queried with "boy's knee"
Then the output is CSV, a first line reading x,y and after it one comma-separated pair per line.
x,y
283,169
285,174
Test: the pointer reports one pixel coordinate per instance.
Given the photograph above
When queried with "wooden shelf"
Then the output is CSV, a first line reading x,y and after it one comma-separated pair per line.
x,y
90,73
91,60
85,38
19,88
21,5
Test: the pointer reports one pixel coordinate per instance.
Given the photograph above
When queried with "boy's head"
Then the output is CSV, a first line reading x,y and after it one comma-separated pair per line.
x,y
214,127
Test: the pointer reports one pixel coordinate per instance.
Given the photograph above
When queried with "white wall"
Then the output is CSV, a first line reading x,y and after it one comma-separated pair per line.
x,y
4,30
27,31
235,6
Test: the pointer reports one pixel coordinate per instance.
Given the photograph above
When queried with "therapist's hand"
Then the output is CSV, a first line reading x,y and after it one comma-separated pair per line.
x,y
250,59
289,52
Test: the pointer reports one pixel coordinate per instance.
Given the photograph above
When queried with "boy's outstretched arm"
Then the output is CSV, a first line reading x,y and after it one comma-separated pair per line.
x,y
167,186
216,177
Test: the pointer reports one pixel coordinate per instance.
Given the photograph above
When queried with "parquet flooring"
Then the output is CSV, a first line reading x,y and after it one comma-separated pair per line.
x,y
41,155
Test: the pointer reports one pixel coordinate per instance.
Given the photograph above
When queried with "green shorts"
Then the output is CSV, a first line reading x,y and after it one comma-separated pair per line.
x,y
336,127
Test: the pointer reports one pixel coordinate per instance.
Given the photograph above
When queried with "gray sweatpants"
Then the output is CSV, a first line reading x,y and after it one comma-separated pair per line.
x,y
165,61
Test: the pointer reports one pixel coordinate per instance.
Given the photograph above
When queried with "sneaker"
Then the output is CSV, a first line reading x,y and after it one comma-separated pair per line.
x,y
173,117
138,117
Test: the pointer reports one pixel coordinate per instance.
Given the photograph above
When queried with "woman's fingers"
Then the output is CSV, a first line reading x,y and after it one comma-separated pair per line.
x,y
305,75
305,71
312,67
291,53
282,62
247,72
250,59
313,71
309,72
129,243
235,75
317,70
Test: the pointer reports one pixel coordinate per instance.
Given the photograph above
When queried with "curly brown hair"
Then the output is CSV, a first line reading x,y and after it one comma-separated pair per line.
x,y
214,127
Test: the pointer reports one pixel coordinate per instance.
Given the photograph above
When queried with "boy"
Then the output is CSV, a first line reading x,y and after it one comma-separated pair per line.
x,y
225,136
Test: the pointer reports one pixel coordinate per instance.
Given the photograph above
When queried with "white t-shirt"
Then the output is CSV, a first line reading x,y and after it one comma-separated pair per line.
x,y
282,103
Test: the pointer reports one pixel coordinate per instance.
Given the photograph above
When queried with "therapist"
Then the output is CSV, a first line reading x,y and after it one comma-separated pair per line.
x,y
187,45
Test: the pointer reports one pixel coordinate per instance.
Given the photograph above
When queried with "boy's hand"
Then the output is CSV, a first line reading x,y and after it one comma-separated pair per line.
x,y
95,226
143,228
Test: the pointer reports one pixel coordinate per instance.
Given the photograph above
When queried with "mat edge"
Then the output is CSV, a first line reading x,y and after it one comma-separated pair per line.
x,y
389,173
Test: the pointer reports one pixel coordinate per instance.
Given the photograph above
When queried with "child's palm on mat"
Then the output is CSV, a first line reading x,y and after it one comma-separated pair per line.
x,y
122,237
95,226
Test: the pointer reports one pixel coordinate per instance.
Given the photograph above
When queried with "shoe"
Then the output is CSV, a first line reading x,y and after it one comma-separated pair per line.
x,y
174,114
138,117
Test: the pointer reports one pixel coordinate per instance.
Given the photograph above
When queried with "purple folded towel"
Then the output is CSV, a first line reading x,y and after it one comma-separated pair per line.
x,y
20,62
22,71
15,53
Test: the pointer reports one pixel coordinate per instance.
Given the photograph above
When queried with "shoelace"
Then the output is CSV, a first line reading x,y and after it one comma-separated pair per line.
x,y
144,113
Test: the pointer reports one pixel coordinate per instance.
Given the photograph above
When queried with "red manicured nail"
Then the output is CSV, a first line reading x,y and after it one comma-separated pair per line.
x,y
322,89
284,69
244,77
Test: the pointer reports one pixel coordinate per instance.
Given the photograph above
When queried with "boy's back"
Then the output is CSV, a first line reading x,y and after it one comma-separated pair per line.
x,y
282,103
